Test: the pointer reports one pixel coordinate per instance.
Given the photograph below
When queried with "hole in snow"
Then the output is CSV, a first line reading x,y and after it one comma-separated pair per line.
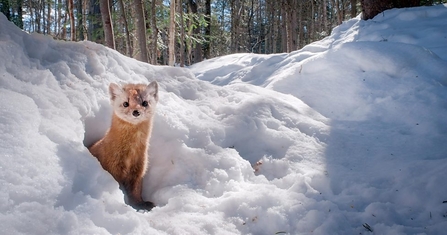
x,y
97,124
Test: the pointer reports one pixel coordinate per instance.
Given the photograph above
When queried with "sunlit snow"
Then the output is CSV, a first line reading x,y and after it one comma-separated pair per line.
x,y
347,133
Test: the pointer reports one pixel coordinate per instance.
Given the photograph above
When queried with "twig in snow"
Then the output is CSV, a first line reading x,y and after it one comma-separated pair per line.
x,y
367,227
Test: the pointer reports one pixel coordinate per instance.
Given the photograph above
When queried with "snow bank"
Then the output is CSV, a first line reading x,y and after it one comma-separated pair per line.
x,y
381,84
205,140
319,141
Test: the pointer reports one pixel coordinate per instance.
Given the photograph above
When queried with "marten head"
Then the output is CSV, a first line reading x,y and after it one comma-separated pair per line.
x,y
134,103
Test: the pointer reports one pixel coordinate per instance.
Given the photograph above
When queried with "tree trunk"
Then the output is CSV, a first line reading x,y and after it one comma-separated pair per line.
x,y
171,46
353,8
140,31
207,46
72,20
64,27
288,12
336,3
371,8
302,24
95,32
37,18
42,16
20,14
80,27
234,25
49,18
249,26
196,31
283,28
129,51
182,35
276,31
296,5
154,41
324,20
261,37
59,20
107,23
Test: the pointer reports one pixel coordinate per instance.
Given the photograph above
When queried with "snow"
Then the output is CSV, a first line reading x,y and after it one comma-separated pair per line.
x,y
346,132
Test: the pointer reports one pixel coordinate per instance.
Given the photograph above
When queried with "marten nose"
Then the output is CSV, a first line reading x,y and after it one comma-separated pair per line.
x,y
135,113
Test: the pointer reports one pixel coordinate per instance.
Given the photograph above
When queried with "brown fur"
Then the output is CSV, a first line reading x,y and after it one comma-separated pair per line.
x,y
123,150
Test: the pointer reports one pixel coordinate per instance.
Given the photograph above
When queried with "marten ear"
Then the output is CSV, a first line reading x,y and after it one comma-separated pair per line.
x,y
114,91
152,90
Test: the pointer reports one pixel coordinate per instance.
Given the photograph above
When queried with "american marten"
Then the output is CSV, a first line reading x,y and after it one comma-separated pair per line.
x,y
123,150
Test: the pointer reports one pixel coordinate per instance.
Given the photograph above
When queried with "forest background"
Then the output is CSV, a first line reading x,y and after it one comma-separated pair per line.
x,y
184,32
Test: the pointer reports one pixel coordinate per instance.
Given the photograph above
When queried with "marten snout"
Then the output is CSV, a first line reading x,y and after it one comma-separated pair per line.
x,y
135,113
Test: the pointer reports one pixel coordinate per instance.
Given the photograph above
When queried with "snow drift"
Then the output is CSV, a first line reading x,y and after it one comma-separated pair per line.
x,y
346,133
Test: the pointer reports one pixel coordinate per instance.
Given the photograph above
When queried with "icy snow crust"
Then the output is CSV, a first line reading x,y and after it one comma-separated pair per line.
x,y
347,132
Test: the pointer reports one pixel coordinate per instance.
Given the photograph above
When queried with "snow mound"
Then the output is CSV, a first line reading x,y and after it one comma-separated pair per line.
x,y
205,140
382,85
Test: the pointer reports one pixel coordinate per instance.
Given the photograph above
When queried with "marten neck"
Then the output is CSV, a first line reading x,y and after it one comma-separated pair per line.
x,y
141,129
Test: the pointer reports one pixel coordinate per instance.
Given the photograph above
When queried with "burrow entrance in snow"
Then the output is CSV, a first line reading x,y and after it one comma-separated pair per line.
x,y
97,124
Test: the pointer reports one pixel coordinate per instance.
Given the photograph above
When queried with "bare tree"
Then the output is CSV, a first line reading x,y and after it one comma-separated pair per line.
x,y
80,20
290,19
353,8
72,20
49,21
207,49
196,31
338,10
172,34
140,31
107,23
236,14
324,17
94,27
154,41
129,50
182,34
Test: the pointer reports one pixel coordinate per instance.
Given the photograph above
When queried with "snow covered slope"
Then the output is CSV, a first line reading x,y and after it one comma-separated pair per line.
x,y
382,85
347,132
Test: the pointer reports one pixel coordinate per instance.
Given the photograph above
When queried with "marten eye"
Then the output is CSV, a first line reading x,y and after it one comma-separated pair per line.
x,y
126,104
144,103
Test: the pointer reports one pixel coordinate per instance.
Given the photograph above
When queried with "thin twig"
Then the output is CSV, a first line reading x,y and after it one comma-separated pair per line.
x,y
367,227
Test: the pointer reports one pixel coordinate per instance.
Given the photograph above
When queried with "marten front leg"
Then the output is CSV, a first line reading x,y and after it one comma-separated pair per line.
x,y
132,189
